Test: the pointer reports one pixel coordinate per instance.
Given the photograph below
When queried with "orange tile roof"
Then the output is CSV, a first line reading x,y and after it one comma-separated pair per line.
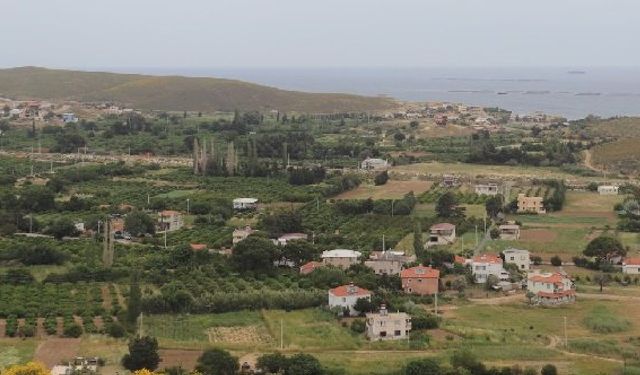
x,y
198,246
343,291
443,226
169,213
458,259
632,262
420,272
555,278
487,258
310,266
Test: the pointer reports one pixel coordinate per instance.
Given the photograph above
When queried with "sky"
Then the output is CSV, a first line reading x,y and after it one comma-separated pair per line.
x,y
89,34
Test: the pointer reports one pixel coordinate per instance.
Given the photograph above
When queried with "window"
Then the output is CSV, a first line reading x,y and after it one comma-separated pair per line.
x,y
344,299
383,333
397,332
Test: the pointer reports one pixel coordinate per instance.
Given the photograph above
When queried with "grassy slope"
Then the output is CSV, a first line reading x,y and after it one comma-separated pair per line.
x,y
623,152
172,92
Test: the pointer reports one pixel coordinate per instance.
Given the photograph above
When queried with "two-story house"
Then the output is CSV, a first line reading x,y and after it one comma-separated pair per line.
x,y
441,234
551,288
485,265
384,325
420,280
532,205
346,296
342,258
520,258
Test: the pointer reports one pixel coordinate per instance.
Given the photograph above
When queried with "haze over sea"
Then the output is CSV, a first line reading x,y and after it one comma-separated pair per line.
x,y
568,91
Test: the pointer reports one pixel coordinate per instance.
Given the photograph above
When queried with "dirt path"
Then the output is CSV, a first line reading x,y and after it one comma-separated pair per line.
x,y
588,162
518,297
557,344
119,296
106,297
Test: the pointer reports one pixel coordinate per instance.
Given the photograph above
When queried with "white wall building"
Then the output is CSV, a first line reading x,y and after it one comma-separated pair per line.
x,y
342,258
521,258
551,288
608,190
631,266
487,189
346,296
384,325
245,203
485,265
373,164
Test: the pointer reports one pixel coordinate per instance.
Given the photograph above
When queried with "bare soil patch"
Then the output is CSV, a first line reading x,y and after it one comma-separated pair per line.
x,y
393,189
106,297
538,235
55,350
239,335
187,359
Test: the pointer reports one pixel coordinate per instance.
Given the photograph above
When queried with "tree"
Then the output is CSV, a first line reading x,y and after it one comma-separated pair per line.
x,y
139,223
143,353
255,254
556,261
72,330
549,369
272,363
601,279
604,248
418,244
299,251
134,304
494,205
61,228
217,362
363,305
381,178
464,359
304,364
31,368
424,366
447,206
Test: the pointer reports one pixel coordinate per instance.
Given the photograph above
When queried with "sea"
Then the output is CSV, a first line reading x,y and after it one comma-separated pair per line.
x,y
565,91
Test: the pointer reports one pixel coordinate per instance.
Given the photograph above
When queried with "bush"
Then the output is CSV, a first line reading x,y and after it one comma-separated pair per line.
x,y
115,330
381,178
358,326
72,330
556,261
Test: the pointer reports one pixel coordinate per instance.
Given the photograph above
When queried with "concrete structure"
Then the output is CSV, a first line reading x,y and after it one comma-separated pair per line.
x,y
341,258
384,325
532,205
551,288
388,262
631,266
169,220
420,280
69,118
372,164
245,204
240,234
487,189
509,232
608,190
485,265
282,240
520,258
441,234
345,297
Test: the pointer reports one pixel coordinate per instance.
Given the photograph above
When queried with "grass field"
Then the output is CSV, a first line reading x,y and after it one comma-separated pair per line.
x,y
393,189
16,351
622,154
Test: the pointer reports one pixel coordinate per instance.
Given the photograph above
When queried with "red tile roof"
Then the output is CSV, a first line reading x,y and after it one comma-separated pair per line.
x,y
443,226
420,272
310,267
487,258
459,260
198,246
631,262
555,278
349,290
169,213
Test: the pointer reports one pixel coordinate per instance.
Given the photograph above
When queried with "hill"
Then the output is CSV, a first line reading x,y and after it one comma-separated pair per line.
x,y
173,92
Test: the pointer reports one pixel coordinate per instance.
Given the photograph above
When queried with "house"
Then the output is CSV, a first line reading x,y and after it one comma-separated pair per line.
x,y
485,265
631,266
341,258
169,220
282,240
441,120
80,365
509,232
441,234
69,118
384,325
518,257
240,234
608,190
420,280
345,297
532,205
241,204
309,267
450,181
371,164
388,262
551,288
487,189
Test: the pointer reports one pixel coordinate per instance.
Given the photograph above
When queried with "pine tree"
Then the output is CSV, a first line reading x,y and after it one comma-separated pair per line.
x,y
418,246
134,304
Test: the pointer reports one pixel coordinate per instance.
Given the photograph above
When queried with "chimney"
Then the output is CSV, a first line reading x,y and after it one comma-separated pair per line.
x,y
352,289
383,309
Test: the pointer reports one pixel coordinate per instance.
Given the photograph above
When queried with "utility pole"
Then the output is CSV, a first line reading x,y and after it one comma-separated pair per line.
x,y
392,202
485,223
188,208
566,340
30,223
140,327
476,235
281,334
436,302
383,244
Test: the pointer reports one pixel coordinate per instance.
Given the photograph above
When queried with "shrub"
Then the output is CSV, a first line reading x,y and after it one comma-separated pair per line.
x,y
72,330
602,320
556,261
115,330
358,326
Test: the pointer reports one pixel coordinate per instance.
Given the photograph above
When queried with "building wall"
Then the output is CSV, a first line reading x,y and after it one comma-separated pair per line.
x,y
346,302
481,271
522,260
420,286
394,326
384,267
631,270
343,263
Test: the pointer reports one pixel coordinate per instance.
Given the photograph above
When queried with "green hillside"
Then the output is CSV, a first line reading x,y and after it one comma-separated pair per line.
x,y
172,92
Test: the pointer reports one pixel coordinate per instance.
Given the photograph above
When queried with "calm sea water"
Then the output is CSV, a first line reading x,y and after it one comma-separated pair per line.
x,y
604,92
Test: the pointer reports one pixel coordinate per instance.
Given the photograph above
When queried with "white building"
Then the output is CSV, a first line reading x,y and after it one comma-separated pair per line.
x,y
384,325
487,189
608,190
346,296
282,240
441,234
342,258
551,288
631,266
372,164
518,257
69,118
245,203
485,265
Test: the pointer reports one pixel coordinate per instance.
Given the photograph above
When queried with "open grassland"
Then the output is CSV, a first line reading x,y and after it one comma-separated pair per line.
x,y
621,155
16,351
622,127
393,189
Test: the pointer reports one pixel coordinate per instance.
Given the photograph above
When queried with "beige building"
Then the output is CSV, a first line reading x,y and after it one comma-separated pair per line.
x,y
631,266
509,232
388,262
487,189
530,204
608,190
341,258
169,220
518,257
384,325
442,234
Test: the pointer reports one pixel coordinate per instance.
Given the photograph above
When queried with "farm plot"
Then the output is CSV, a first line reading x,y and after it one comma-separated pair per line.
x,y
393,189
16,351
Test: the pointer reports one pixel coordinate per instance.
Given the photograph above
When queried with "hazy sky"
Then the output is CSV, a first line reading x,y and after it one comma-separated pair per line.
x,y
318,33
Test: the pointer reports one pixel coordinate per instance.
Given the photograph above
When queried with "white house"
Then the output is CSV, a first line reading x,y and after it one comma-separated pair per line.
x,y
551,288
631,266
384,325
69,118
245,203
374,164
485,265
518,257
608,190
342,258
487,189
345,297
282,240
